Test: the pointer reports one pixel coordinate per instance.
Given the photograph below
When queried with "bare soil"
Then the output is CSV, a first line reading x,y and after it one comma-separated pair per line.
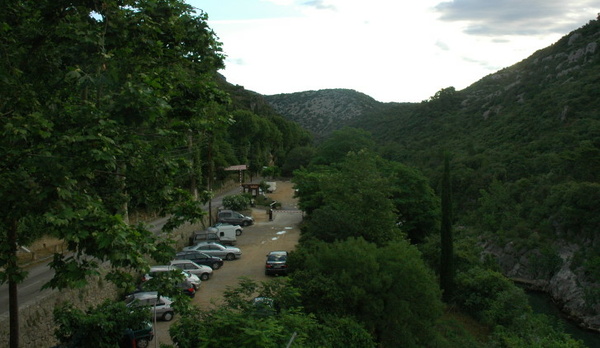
x,y
282,233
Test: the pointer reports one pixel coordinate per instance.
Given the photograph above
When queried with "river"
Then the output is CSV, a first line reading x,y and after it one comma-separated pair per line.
x,y
541,303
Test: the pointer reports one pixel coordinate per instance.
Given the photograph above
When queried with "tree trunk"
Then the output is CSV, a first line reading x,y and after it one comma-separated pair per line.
x,y
13,300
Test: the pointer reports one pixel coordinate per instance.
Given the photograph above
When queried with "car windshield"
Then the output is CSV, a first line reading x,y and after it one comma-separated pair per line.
x,y
277,257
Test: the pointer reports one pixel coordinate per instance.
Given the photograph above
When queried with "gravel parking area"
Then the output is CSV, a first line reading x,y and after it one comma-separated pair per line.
x,y
281,233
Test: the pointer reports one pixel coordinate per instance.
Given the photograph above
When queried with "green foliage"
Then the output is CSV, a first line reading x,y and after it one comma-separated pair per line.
x,y
575,207
102,326
489,296
236,202
545,262
387,289
340,143
447,268
271,171
355,202
241,322
417,206
533,330
298,157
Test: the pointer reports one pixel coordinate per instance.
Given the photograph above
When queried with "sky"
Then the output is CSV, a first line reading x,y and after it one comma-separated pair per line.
x,y
391,50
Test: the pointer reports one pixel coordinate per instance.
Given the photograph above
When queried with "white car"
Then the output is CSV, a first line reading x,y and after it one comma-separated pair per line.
x,y
227,228
202,271
191,278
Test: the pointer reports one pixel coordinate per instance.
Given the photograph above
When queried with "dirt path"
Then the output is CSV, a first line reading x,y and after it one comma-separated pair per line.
x,y
281,233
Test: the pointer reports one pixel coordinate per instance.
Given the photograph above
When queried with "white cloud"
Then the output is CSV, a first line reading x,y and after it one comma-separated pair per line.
x,y
391,50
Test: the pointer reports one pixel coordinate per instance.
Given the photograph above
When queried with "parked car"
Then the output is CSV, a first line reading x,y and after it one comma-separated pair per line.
x,y
216,249
139,338
200,258
264,306
228,228
276,263
191,278
201,271
185,286
221,232
159,305
204,236
234,218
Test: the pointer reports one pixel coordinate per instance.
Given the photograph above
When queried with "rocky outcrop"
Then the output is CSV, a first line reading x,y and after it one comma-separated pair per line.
x,y
570,289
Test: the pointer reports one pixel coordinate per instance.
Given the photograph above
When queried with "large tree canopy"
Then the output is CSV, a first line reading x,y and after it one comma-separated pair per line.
x,y
387,289
86,89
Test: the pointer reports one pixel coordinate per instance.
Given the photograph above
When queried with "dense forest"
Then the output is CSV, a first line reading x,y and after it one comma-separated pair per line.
x,y
113,107
523,144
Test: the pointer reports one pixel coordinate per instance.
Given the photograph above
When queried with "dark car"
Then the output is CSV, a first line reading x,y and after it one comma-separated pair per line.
x,y
139,338
200,258
276,263
234,218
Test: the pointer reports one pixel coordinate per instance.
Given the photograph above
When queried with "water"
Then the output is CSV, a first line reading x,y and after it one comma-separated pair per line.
x,y
541,303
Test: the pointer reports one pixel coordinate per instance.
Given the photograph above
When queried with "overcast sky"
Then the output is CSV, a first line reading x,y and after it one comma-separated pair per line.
x,y
391,50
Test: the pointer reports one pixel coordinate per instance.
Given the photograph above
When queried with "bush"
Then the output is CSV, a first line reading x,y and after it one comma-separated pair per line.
x,y
236,202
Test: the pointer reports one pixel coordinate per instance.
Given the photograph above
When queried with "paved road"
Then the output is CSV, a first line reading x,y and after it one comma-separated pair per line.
x,y
30,290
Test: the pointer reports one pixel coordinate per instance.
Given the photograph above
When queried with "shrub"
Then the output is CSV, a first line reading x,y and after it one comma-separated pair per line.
x,y
236,202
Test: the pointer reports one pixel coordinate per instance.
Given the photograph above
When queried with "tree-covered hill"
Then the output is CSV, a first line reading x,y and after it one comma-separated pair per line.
x,y
525,147
323,111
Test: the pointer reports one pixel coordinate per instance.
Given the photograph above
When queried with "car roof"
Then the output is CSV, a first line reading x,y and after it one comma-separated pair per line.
x,y
183,261
208,243
145,295
161,268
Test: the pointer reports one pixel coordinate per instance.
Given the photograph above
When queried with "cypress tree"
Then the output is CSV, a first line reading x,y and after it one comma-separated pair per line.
x,y
447,247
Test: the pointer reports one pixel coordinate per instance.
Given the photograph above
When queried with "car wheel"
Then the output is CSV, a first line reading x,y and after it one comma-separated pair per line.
x,y
245,223
230,257
142,343
216,265
204,276
238,232
168,316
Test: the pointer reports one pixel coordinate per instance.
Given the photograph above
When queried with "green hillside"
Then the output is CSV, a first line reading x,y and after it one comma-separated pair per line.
x,y
525,152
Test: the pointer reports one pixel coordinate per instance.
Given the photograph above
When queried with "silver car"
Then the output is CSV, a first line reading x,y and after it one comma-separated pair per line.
x,y
201,271
160,305
216,249
191,278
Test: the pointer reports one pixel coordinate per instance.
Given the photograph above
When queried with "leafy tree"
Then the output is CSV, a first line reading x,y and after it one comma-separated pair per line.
x,y
308,187
297,158
236,202
102,326
87,96
275,322
417,206
355,203
340,142
387,289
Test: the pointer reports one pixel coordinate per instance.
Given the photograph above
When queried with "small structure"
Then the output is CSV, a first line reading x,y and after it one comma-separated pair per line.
x,y
253,189
239,168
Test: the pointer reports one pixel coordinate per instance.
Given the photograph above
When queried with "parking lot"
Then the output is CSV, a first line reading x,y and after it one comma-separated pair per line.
x,y
281,233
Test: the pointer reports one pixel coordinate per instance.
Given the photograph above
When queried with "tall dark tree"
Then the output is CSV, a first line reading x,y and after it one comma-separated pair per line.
x,y
447,252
